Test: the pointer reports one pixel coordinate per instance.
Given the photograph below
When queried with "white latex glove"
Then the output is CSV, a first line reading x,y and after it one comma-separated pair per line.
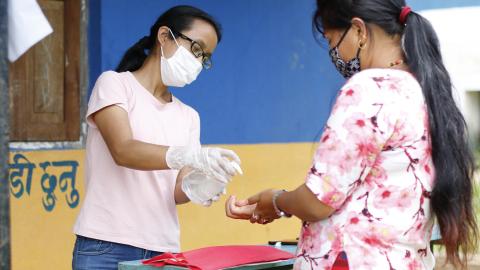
x,y
214,161
215,198
202,188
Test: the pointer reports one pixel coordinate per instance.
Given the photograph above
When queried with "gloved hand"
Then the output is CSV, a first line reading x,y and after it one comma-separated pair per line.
x,y
215,198
214,161
202,188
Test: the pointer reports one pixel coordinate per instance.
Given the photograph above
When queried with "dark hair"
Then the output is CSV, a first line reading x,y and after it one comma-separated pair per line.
x,y
178,18
452,194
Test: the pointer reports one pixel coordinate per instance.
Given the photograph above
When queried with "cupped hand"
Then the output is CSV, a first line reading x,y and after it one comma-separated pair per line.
x,y
238,209
265,212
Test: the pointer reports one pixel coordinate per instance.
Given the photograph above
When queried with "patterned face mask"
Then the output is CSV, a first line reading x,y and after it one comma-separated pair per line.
x,y
349,68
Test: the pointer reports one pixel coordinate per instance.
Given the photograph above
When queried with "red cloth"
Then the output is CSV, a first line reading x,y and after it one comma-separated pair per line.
x,y
170,259
213,258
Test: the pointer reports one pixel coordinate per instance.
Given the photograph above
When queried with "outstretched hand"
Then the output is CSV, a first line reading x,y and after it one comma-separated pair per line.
x,y
258,208
264,213
238,209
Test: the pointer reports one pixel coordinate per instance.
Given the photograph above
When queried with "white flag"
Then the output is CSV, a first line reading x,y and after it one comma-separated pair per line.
x,y
27,25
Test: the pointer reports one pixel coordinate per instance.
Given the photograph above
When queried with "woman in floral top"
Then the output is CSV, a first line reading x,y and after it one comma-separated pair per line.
x,y
393,155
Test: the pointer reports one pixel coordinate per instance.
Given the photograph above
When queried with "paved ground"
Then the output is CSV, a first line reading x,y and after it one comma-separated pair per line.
x,y
473,265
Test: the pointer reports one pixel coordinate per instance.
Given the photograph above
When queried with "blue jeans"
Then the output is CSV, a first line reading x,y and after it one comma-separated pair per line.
x,y
91,253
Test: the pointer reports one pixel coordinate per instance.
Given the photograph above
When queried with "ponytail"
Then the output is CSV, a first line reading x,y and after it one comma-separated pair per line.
x,y
452,195
135,56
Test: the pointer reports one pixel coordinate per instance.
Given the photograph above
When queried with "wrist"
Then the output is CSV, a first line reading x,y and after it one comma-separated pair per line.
x,y
280,213
178,157
173,158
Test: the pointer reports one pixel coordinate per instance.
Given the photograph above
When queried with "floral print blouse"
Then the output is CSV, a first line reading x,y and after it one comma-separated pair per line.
x,y
373,165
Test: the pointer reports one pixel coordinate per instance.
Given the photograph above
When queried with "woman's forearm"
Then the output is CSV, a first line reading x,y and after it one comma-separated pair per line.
x,y
303,204
114,126
139,155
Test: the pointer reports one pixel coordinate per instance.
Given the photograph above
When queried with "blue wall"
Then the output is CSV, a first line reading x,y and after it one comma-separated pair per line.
x,y
271,82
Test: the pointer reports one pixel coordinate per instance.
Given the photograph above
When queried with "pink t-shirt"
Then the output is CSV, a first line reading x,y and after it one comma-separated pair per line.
x,y
129,206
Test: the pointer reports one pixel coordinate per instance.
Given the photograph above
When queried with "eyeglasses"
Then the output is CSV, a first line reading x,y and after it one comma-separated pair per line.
x,y
197,51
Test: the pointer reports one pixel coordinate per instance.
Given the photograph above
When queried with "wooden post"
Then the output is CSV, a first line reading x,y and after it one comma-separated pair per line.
x,y
5,254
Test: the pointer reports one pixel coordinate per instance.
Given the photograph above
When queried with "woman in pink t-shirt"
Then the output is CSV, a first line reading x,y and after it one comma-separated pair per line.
x,y
139,136
394,154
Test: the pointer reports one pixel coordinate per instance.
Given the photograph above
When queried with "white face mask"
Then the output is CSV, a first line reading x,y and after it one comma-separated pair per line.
x,y
180,69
